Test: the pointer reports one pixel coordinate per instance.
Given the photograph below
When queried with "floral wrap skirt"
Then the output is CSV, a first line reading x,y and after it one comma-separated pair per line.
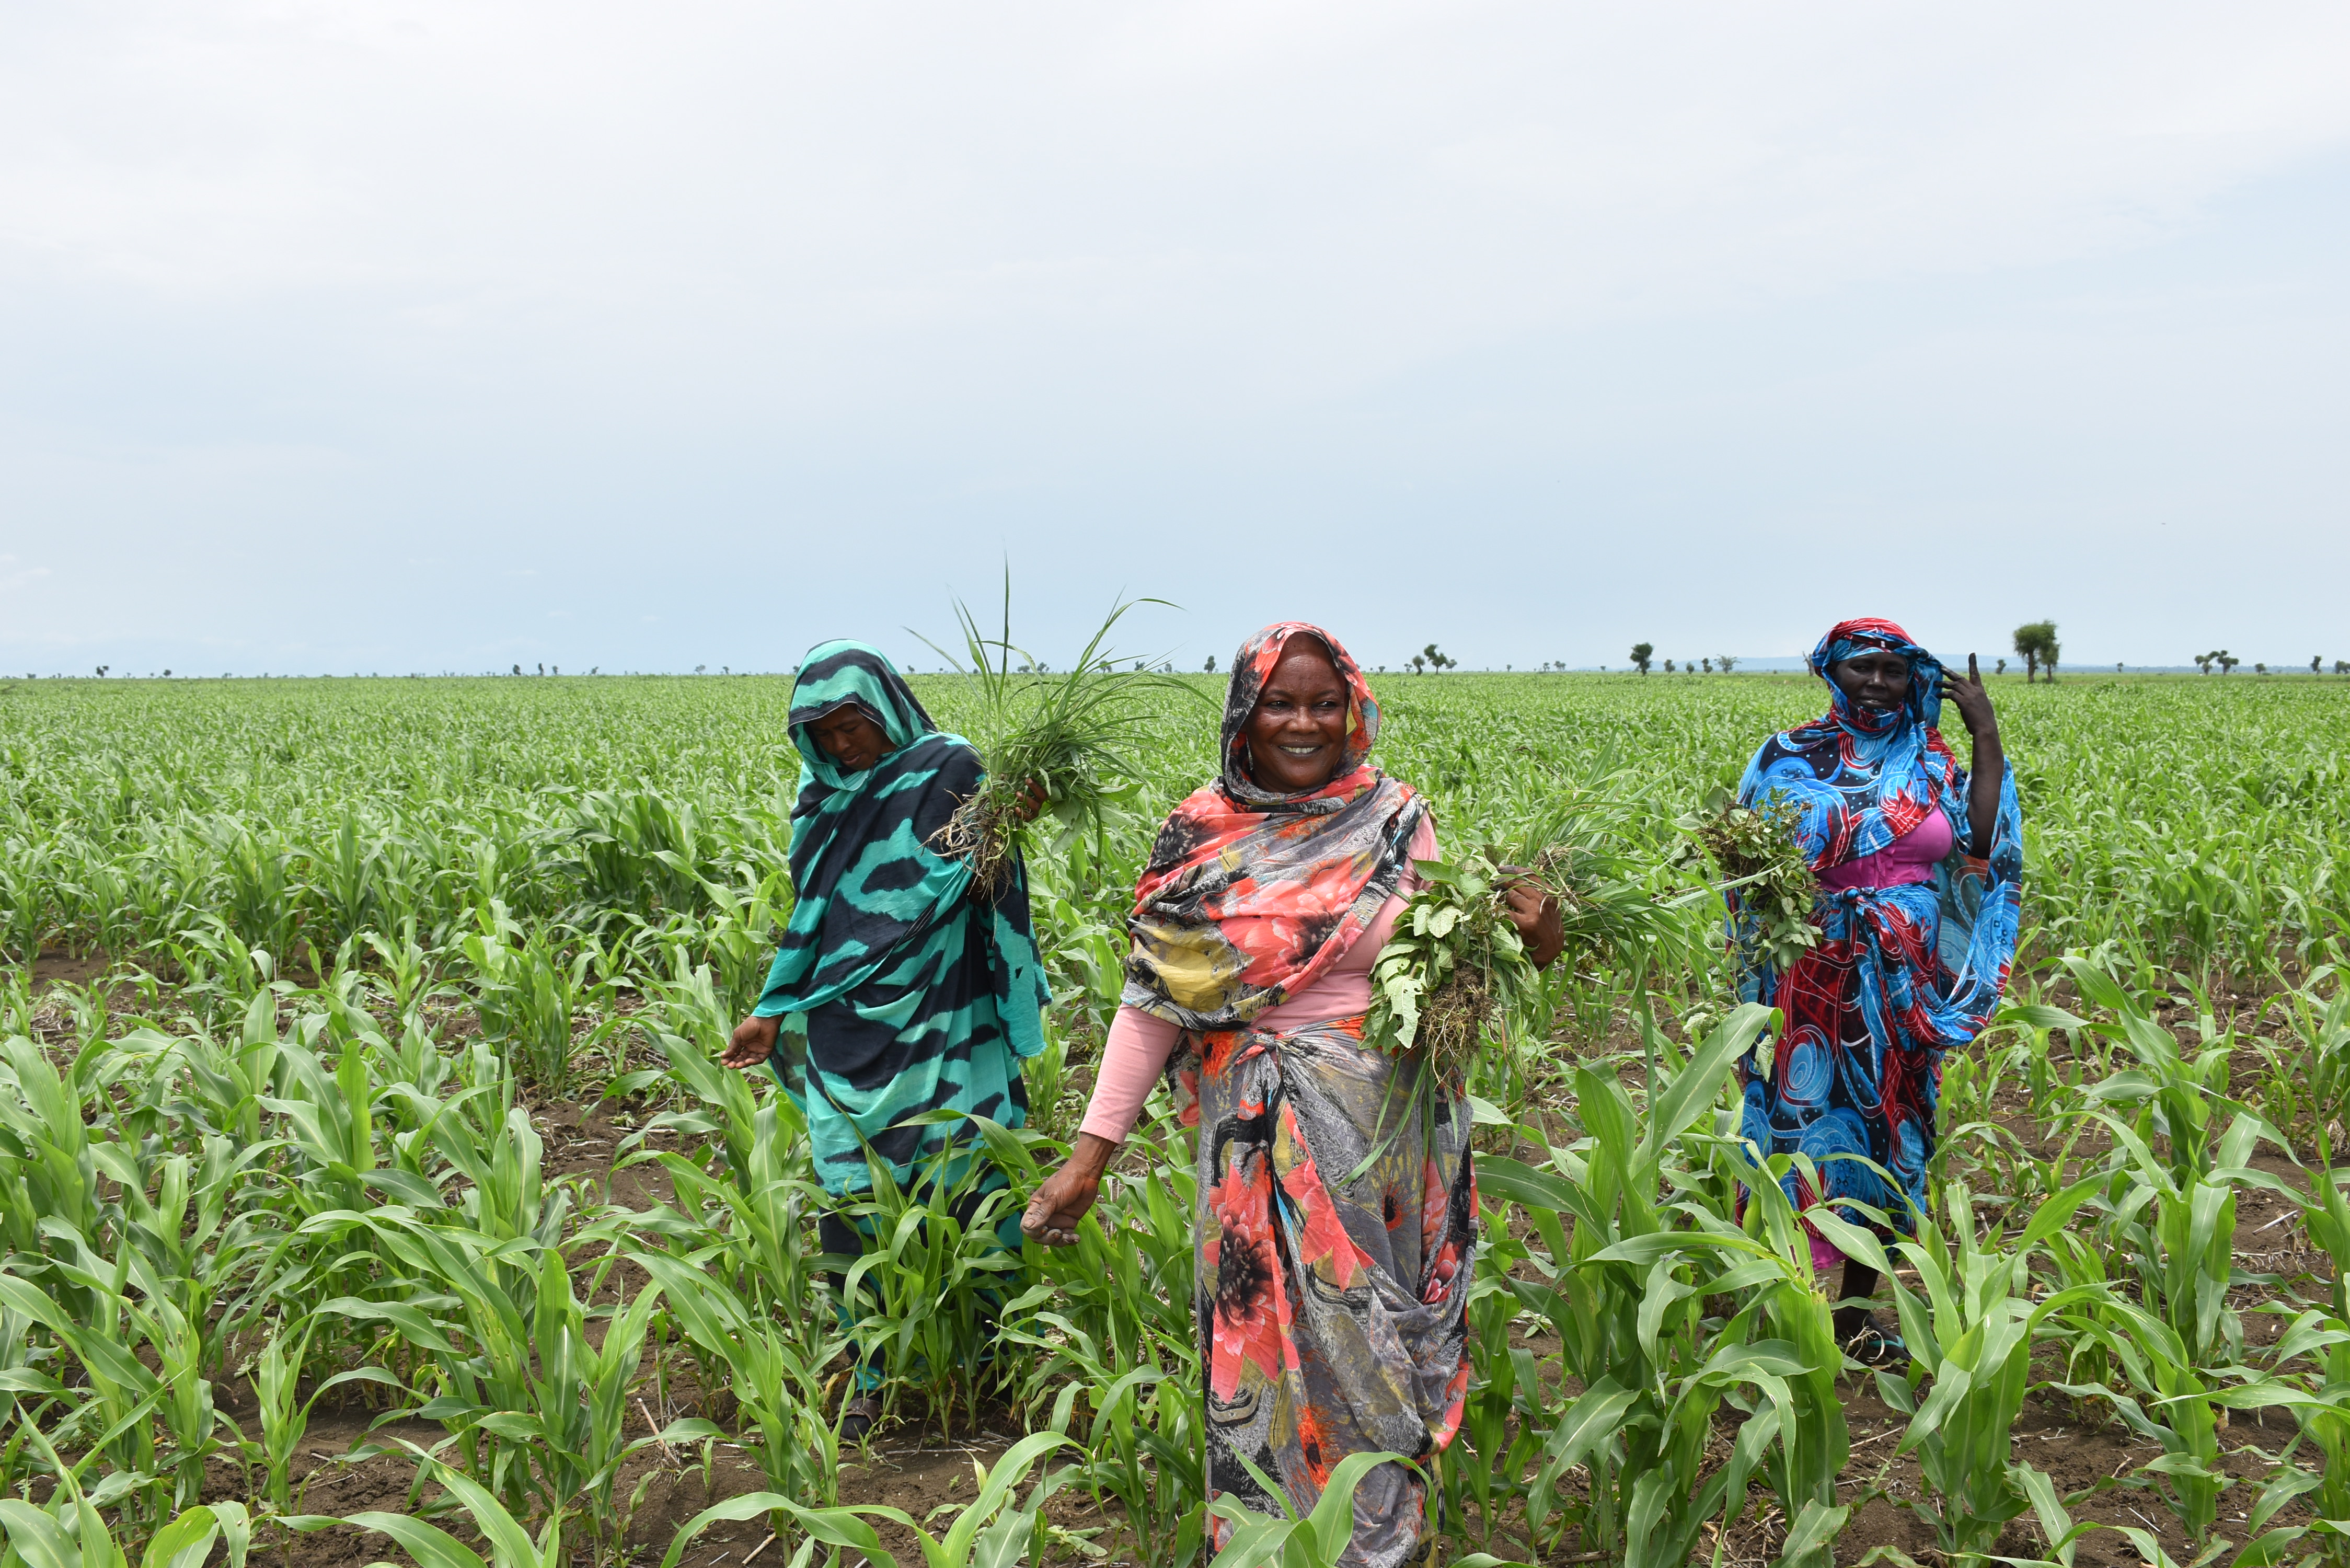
x,y
1333,1313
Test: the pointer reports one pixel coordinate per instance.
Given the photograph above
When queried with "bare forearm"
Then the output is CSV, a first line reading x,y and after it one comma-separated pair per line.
x,y
1091,1155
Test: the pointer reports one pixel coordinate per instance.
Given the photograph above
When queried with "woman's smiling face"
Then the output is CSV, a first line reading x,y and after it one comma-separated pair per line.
x,y
1298,734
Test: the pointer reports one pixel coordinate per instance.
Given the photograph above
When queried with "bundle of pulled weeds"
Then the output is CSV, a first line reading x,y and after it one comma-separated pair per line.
x,y
1456,972
1058,743
1766,877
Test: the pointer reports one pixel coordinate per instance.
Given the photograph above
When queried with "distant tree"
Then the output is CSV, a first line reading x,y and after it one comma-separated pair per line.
x,y
1419,664
2203,661
167,674
2036,640
1437,660
2003,668
1727,661
102,669
2228,661
2117,667
1709,666
1211,665
1669,666
2314,660
2341,667
2260,669
1641,653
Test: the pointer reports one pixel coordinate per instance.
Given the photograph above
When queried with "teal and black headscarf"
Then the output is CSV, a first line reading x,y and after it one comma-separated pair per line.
x,y
920,994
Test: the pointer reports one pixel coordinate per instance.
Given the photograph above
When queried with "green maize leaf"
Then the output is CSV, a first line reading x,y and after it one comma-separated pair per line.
x,y
2270,1549
1501,1177
429,1545
749,1505
1813,1528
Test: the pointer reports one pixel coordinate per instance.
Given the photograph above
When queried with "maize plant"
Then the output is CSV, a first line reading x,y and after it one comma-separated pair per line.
x,y
1972,1333
1626,1292
1108,1324
989,1534
71,1532
778,1382
925,1298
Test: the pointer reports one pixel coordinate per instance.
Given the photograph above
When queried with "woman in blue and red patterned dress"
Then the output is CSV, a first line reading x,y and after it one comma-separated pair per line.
x,y
1919,861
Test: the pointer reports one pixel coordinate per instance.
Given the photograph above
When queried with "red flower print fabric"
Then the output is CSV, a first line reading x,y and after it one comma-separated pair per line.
x,y
1333,1314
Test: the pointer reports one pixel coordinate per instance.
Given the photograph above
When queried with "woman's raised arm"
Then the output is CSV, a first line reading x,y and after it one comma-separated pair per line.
x,y
1990,765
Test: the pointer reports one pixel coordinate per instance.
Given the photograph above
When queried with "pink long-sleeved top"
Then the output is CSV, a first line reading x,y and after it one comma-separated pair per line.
x,y
1136,1053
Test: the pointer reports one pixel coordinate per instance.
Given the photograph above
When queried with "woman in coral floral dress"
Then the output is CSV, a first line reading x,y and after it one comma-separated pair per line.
x,y
1334,1256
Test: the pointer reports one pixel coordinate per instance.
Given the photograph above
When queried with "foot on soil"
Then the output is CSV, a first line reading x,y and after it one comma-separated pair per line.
x,y
1876,1347
857,1418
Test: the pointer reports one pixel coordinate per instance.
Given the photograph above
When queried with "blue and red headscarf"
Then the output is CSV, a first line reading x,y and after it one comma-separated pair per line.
x,y
1862,779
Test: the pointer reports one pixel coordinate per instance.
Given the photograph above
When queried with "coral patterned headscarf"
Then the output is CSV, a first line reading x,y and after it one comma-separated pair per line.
x,y
1249,895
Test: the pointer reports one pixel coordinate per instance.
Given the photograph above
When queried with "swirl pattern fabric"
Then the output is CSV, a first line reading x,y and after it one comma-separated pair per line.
x,y
919,995
1249,895
1333,1314
1901,975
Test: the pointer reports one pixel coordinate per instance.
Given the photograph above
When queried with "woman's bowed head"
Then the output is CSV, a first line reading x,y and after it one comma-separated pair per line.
x,y
1301,738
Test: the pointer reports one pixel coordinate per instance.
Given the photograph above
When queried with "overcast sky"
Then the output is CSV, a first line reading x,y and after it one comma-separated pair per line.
x,y
410,335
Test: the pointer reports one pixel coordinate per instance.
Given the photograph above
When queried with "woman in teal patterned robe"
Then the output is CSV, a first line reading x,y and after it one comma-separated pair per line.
x,y
918,994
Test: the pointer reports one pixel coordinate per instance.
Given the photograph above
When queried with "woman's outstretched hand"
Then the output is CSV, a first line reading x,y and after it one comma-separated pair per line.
x,y
754,1043
1031,800
1063,1200
1533,909
1973,700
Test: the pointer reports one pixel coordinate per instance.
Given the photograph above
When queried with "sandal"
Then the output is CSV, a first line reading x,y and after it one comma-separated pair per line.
x,y
1874,1348
858,1417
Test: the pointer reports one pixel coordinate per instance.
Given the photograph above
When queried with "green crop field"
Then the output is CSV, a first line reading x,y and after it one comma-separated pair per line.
x,y
365,1168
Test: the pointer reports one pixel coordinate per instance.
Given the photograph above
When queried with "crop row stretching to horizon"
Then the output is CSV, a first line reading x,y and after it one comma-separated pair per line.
x,y
359,940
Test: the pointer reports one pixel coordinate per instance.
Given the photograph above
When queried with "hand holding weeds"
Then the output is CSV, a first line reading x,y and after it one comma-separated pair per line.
x,y
1534,910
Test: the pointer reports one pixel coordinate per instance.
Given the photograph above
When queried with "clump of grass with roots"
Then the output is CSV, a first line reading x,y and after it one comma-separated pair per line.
x,y
1754,850
1064,743
1456,971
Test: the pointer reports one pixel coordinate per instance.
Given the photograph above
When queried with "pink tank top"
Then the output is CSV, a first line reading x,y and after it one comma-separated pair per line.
x,y
1909,858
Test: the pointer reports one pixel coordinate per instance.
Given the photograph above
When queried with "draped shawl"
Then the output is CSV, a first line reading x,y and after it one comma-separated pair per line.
x,y
919,995
1901,974
1250,895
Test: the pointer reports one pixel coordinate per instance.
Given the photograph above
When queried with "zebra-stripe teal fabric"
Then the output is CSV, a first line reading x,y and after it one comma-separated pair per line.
x,y
919,994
